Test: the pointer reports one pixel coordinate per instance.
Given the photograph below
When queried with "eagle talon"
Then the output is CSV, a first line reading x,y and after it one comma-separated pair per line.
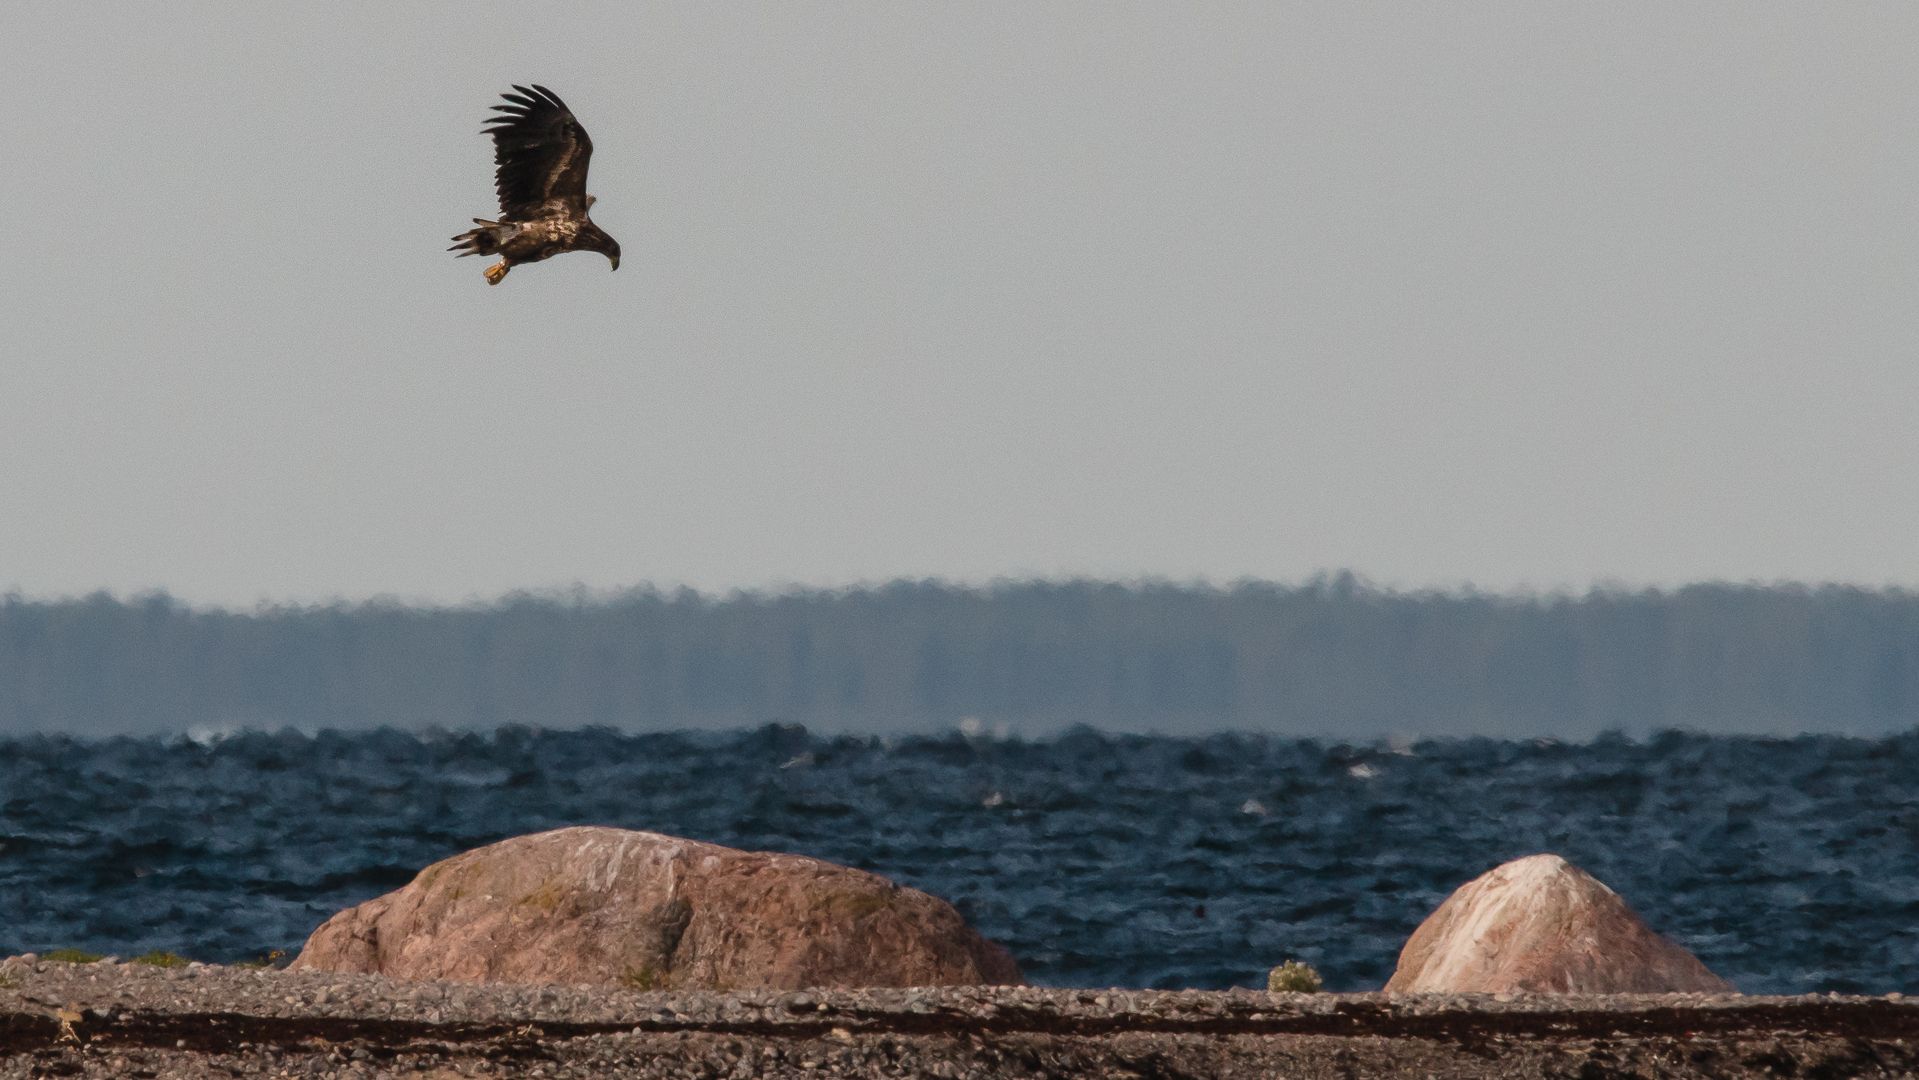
x,y
496,273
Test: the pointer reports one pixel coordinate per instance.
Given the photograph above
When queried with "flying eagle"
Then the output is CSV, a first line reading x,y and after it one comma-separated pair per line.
x,y
540,154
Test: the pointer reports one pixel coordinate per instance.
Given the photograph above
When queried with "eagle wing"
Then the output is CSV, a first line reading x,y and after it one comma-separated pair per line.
x,y
540,154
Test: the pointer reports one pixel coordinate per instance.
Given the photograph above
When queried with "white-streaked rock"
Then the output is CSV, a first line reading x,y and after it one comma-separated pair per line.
x,y
1542,925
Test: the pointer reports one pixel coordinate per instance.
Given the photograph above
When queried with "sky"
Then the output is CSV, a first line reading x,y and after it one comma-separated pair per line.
x,y
1518,295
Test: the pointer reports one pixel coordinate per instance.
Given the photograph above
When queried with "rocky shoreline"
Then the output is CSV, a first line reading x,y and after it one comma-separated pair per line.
x,y
595,952
111,1019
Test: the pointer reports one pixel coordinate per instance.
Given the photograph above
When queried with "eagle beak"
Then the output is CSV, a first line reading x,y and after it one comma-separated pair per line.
x,y
615,260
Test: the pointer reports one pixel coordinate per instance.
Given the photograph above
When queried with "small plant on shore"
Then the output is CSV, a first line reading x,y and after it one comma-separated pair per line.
x,y
265,960
161,959
642,978
1293,977
72,956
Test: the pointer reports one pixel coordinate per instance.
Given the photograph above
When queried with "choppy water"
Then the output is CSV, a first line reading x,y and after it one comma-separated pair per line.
x,y
1787,865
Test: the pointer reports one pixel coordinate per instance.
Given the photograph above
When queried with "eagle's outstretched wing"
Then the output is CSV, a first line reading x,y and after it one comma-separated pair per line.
x,y
540,152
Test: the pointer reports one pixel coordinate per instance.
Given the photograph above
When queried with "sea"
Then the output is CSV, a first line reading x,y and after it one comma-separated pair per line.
x,y
1787,865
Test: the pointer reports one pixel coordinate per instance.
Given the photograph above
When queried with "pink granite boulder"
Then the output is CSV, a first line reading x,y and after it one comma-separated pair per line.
x,y
602,906
1542,925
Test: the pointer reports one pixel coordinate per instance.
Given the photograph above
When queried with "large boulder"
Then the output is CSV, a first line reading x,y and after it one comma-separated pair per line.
x,y
642,910
1542,925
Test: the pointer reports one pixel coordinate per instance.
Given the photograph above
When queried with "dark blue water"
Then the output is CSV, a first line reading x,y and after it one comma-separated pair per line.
x,y
1787,865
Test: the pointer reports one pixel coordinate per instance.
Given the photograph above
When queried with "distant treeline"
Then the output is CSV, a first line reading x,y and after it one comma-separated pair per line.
x,y
1333,657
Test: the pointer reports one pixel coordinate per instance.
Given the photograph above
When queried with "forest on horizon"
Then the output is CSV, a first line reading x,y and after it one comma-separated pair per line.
x,y
1330,658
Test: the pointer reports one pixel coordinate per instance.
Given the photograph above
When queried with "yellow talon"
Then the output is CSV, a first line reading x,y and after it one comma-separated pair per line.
x,y
495,273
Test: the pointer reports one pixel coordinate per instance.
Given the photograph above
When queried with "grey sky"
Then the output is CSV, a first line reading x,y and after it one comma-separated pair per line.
x,y
1515,294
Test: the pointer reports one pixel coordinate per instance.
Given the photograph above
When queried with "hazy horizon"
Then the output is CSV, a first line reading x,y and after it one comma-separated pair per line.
x,y
1498,294
612,593
1331,658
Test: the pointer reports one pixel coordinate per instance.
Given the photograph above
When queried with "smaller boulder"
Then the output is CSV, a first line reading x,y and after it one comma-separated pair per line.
x,y
1542,925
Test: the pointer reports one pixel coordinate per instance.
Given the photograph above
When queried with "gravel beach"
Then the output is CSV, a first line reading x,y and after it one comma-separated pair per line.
x,y
111,1019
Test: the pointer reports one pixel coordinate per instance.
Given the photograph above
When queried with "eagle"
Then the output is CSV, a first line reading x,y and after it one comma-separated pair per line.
x,y
540,154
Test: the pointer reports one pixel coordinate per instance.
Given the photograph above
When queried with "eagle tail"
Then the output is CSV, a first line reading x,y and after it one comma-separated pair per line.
x,y
480,241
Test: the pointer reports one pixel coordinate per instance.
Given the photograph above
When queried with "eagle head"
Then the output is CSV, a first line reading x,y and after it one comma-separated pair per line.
x,y
594,238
